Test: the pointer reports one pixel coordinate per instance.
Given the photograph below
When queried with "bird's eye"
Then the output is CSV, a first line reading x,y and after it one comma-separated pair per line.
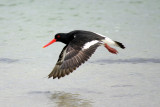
x,y
58,36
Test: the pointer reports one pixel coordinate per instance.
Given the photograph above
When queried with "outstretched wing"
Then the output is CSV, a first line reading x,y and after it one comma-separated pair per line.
x,y
71,58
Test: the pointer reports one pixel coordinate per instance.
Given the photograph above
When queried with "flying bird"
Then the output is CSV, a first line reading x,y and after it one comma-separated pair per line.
x,y
80,45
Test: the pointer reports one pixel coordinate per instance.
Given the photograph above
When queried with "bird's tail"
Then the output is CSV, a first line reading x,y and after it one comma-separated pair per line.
x,y
109,42
119,44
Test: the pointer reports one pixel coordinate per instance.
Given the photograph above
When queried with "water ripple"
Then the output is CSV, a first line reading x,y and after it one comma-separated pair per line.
x,y
63,99
39,92
132,60
8,60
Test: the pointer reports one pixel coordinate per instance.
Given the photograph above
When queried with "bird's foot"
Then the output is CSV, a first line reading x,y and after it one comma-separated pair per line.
x,y
110,49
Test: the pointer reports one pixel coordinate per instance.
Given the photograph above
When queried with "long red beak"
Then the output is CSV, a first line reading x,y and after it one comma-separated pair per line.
x,y
54,40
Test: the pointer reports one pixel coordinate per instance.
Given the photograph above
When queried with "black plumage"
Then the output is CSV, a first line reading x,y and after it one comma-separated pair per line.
x,y
80,45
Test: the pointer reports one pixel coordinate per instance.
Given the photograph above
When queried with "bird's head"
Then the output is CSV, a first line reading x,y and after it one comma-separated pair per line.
x,y
60,37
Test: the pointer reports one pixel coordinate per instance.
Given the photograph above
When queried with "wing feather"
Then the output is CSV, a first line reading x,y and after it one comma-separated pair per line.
x,y
70,59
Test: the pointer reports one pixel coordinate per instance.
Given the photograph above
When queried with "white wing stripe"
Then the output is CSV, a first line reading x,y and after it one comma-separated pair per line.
x,y
88,44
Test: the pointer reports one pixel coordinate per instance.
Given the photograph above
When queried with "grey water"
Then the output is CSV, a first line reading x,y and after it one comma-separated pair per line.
x,y
128,79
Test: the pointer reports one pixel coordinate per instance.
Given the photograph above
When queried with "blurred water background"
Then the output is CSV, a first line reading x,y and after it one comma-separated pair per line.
x,y
129,79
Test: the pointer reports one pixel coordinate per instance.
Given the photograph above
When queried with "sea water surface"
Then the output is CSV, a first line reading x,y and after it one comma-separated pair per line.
x,y
129,79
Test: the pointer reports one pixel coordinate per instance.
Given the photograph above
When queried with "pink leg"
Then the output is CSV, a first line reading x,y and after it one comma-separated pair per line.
x,y
110,49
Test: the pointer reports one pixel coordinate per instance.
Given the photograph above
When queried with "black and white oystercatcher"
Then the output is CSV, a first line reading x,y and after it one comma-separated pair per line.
x,y
80,45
